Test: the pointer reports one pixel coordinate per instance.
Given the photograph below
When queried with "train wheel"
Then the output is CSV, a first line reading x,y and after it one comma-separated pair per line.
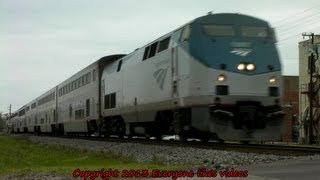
x,y
147,136
158,137
121,136
204,140
245,142
183,138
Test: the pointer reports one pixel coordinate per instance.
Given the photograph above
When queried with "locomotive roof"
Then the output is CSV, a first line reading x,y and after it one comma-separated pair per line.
x,y
231,18
108,59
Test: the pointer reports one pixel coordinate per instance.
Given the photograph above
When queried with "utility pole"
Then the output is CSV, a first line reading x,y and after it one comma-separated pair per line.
x,y
311,69
9,111
9,124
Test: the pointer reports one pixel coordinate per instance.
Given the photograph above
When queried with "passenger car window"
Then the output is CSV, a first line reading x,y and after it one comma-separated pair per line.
x,y
164,44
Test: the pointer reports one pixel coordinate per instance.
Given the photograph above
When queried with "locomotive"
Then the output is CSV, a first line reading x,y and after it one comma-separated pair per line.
x,y
216,77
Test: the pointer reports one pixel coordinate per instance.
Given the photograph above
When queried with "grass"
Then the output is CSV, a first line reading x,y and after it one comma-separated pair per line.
x,y
20,156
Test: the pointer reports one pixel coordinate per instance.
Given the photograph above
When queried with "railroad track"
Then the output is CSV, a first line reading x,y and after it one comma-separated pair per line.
x,y
275,149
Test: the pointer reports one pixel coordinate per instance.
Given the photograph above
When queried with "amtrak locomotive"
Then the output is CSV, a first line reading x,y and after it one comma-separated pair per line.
x,y
216,77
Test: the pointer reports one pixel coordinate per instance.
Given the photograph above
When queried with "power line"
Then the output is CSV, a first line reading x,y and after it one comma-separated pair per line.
x,y
309,18
297,19
296,14
288,38
298,25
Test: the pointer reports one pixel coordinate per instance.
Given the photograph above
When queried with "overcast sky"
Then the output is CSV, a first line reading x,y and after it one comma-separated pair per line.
x,y
43,42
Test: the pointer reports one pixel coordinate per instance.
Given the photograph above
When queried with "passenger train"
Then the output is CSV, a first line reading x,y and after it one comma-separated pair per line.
x,y
216,77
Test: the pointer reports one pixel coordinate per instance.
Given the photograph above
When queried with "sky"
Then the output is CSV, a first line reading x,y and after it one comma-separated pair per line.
x,y
44,42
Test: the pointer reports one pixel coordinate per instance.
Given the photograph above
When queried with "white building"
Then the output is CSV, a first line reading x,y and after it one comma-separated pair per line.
x,y
305,49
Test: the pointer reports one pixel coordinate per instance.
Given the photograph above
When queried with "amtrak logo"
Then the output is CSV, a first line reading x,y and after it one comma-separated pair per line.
x,y
241,51
160,76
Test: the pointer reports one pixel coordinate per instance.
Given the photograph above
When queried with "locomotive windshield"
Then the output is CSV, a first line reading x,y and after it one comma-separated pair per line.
x,y
218,30
244,31
248,31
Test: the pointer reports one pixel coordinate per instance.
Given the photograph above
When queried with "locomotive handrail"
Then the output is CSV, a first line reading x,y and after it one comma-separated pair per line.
x,y
277,113
223,112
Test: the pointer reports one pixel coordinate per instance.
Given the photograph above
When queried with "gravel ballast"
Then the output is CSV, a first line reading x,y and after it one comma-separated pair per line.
x,y
209,159
166,154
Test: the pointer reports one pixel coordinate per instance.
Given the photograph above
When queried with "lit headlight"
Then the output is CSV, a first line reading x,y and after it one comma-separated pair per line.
x,y
241,67
250,67
222,78
272,79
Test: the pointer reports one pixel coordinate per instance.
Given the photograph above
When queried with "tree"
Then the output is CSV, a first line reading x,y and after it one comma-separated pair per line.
x,y
2,122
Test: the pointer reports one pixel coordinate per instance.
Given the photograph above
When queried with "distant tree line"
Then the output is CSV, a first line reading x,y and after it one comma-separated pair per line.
x,y
2,122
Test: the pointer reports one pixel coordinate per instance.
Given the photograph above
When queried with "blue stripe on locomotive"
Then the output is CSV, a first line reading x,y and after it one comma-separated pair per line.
x,y
213,51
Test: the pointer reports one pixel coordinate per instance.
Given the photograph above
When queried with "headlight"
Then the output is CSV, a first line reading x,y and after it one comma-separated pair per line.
x,y
246,66
250,67
272,79
241,67
222,78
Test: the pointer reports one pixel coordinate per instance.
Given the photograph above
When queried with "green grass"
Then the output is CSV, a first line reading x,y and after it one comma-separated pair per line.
x,y
21,156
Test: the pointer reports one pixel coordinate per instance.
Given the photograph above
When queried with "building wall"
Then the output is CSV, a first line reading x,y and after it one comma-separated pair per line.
x,y
304,51
291,107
